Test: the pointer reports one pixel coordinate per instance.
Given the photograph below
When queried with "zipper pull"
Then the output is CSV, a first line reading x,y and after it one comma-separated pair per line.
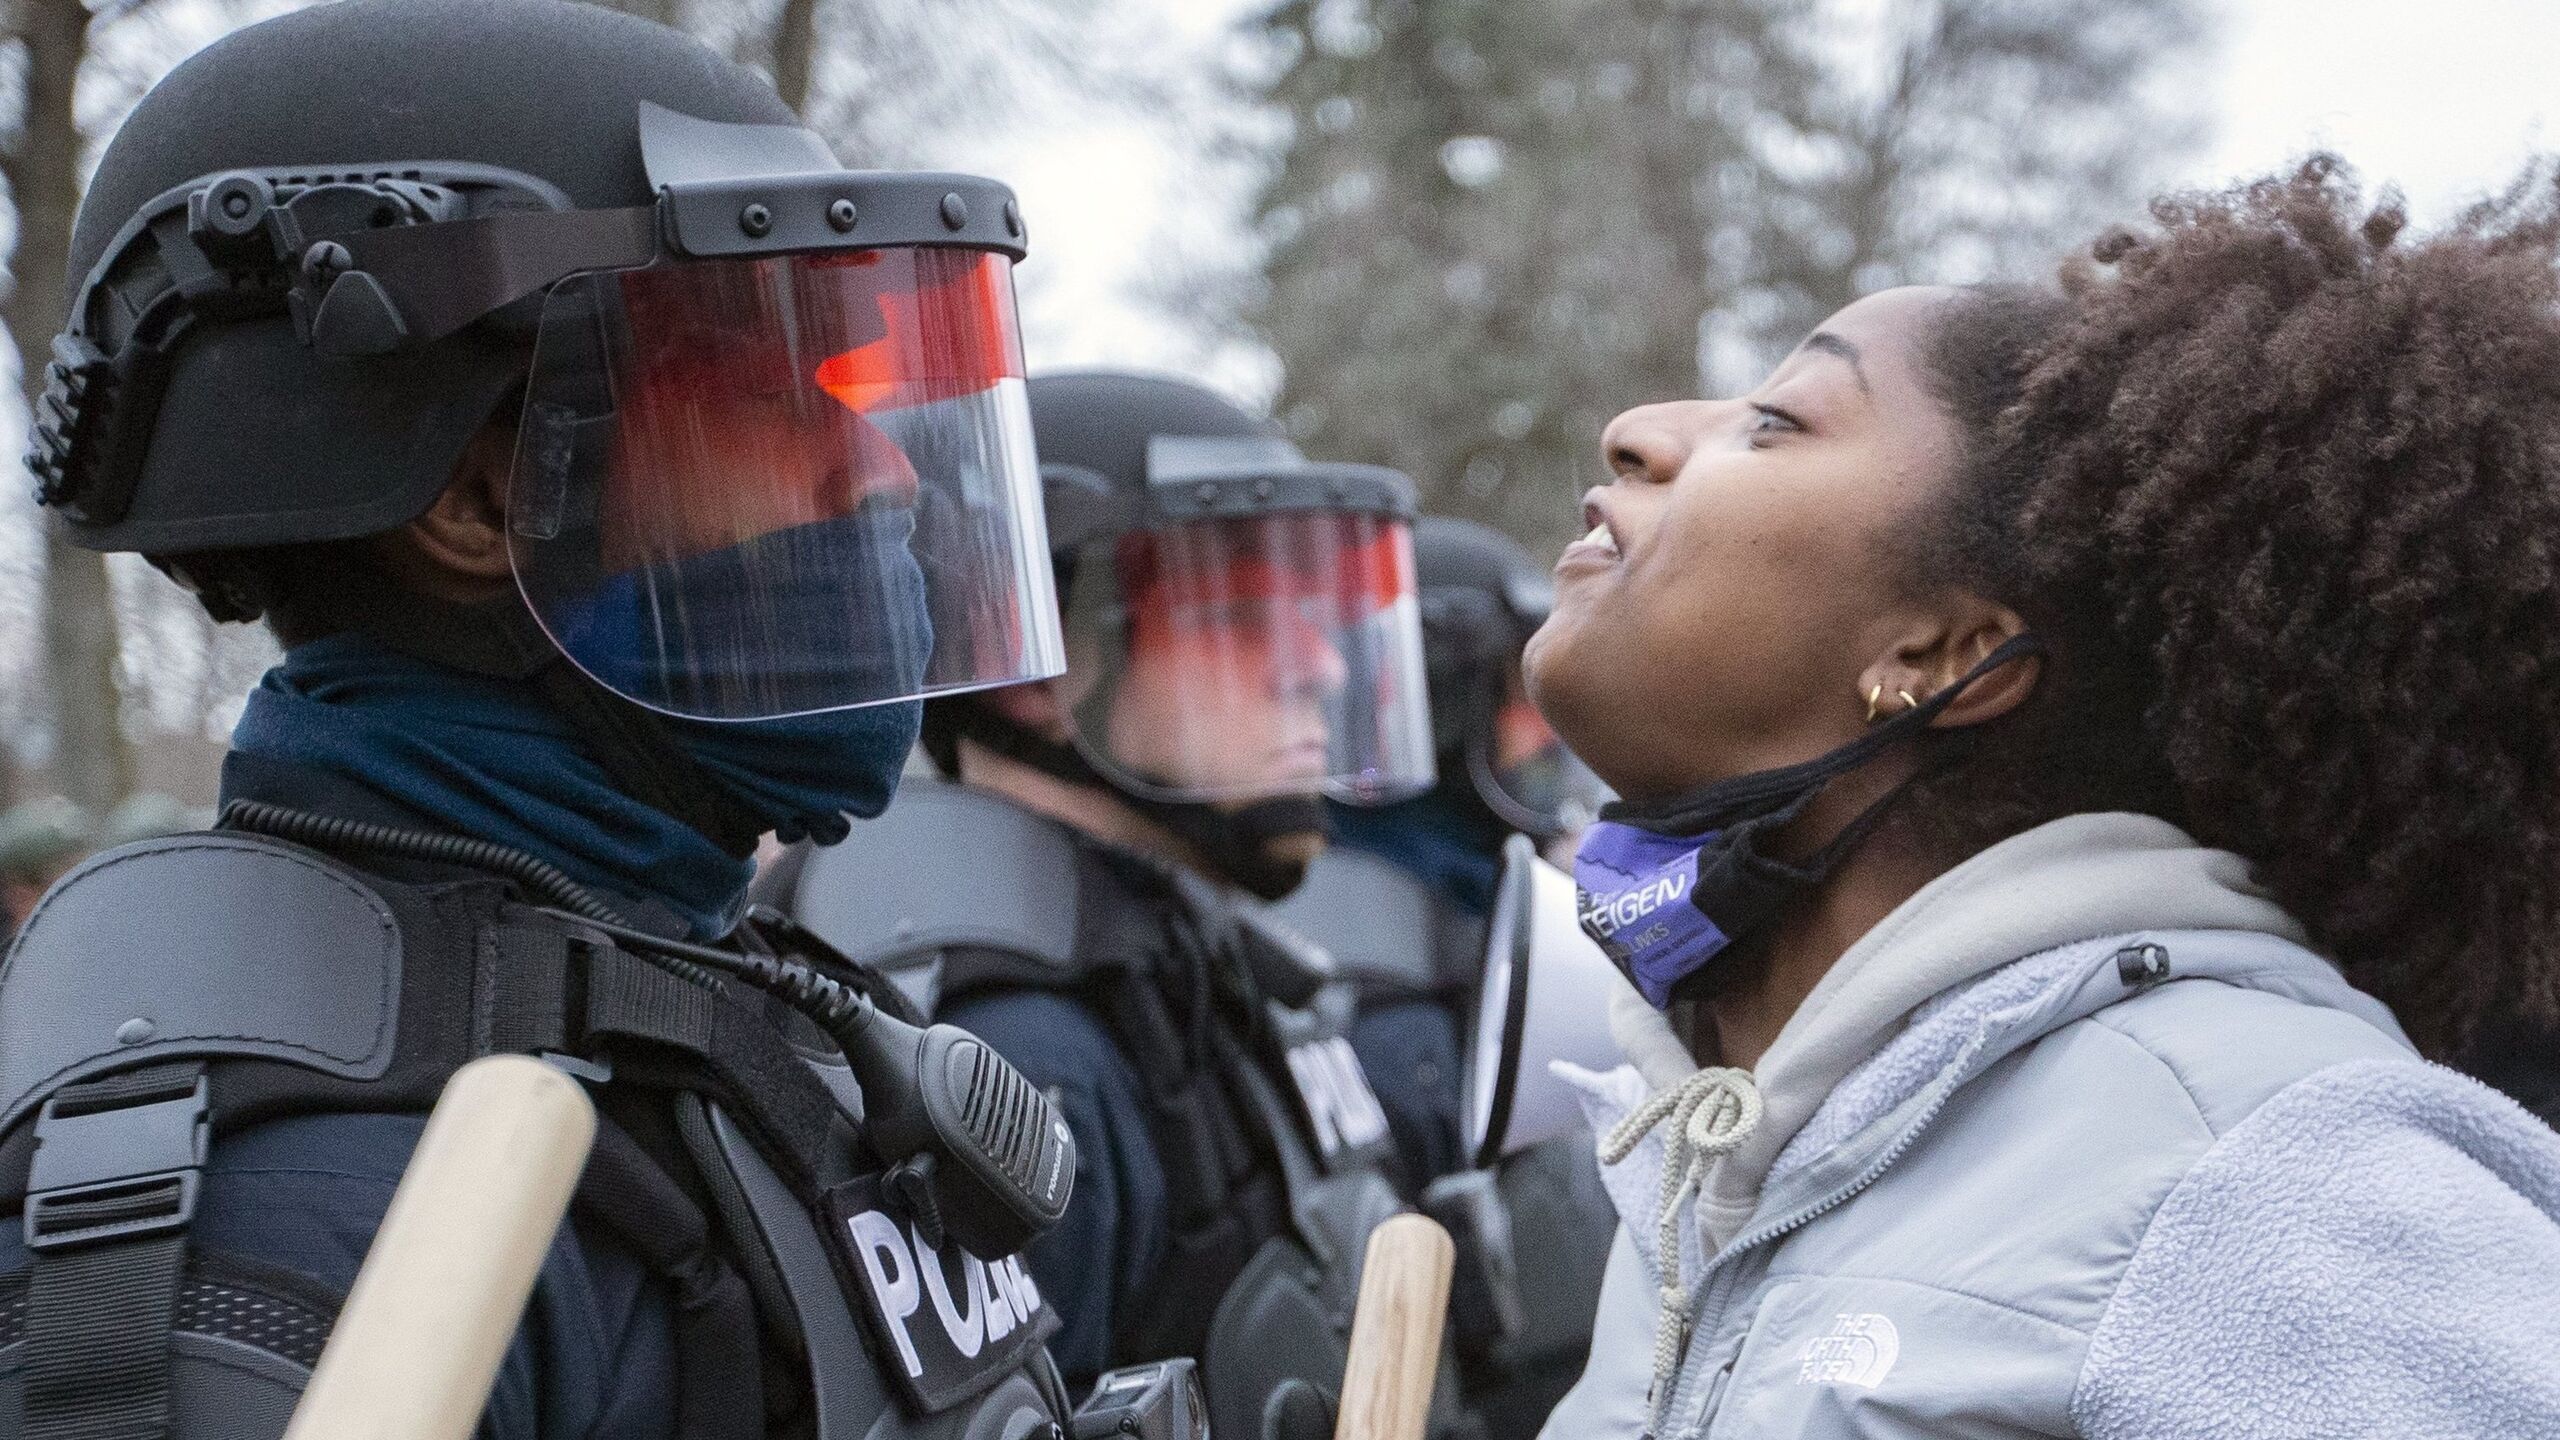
x,y
1716,1389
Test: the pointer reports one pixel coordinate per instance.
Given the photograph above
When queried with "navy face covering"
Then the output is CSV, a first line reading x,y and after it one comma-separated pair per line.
x,y
488,757
790,622
1667,887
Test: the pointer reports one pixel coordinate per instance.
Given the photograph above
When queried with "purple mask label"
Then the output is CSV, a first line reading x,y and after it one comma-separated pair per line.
x,y
1636,889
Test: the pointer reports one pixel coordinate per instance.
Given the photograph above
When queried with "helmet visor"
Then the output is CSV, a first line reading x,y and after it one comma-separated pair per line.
x,y
1524,774
1238,659
746,489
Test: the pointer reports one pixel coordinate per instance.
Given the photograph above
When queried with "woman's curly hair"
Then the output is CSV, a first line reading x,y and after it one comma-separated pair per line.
x,y
2281,488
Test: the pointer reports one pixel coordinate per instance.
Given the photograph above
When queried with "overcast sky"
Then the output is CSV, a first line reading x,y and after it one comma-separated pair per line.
x,y
2445,98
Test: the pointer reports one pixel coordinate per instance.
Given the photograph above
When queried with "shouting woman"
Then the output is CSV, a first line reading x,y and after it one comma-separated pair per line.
x,y
2080,750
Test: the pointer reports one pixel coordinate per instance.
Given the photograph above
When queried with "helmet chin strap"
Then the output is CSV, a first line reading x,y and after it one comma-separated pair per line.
x,y
1240,844
500,639
1243,843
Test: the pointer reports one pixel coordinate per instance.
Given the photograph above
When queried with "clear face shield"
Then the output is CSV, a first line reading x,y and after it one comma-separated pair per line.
x,y
1524,773
760,487
1546,995
1235,659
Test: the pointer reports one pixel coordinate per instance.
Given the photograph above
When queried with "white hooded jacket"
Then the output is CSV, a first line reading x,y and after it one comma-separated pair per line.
x,y
2068,1145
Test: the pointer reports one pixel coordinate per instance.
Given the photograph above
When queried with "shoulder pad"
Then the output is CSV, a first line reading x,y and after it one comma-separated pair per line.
x,y
1289,967
211,943
945,866
1380,924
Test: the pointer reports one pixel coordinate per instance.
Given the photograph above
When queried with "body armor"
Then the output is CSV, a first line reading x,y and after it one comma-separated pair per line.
x,y
1531,1223
1273,1150
169,994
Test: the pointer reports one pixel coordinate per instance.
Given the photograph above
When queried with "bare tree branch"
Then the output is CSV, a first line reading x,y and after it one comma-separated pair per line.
x,y
795,43
1490,226
92,761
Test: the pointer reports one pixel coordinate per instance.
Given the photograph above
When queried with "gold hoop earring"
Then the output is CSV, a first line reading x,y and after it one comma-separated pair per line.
x,y
1875,698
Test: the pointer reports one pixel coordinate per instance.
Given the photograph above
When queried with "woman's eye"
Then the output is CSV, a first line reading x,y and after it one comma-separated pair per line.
x,y
1767,420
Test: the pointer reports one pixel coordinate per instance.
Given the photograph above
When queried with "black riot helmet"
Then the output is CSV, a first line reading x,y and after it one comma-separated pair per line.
x,y
772,443
1241,622
1483,595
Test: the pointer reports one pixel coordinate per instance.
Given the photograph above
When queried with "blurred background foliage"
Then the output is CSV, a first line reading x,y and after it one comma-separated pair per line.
x,y
1452,236
1490,226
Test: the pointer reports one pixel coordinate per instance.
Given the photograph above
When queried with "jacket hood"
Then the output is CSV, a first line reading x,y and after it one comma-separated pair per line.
x,y
2075,879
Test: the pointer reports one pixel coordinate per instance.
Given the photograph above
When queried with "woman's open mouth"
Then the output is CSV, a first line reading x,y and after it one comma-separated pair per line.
x,y
1599,547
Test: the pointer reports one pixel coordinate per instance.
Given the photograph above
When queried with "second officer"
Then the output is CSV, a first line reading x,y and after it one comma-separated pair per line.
x,y
1242,642
1404,900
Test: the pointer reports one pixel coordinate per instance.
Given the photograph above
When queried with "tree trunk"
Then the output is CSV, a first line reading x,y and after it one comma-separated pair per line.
x,y
795,44
92,762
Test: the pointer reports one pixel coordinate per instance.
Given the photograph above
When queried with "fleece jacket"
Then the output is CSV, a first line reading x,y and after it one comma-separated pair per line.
x,y
2084,1141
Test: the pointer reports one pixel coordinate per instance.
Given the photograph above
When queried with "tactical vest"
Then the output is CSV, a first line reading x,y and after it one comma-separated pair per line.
x,y
1271,1139
169,994
1533,1229
1389,934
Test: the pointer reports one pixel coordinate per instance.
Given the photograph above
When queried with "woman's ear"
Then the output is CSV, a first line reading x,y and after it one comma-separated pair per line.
x,y
1941,652
462,539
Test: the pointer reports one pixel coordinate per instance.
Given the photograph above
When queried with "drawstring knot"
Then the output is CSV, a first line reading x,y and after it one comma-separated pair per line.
x,y
1709,1114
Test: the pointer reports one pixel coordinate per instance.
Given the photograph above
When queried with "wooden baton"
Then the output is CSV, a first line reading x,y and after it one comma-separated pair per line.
x,y
1395,1332
444,1285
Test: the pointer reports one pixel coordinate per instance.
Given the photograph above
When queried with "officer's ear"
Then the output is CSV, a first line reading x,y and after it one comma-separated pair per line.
x,y
457,550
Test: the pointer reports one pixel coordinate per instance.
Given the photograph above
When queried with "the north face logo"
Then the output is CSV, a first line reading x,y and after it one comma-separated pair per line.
x,y
1859,1350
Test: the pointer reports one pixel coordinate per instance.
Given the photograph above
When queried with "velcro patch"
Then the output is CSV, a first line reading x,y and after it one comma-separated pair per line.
x,y
948,1324
1334,1093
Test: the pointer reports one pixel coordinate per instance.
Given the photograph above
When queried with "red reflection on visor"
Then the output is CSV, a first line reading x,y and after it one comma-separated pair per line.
x,y
951,333
1350,565
1522,735
721,431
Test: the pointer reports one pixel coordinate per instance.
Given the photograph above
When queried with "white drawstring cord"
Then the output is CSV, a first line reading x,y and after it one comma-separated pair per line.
x,y
1710,1113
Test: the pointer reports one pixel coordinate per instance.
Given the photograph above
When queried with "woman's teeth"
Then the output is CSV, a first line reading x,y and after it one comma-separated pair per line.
x,y
1601,537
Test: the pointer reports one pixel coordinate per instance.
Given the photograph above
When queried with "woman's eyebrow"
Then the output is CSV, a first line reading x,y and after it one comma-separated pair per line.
x,y
1829,344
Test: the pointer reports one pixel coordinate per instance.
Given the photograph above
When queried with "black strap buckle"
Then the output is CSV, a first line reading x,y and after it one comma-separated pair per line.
x,y
117,1159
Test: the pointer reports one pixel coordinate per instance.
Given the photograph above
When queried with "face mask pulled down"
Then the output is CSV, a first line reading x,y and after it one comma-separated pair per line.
x,y
1668,886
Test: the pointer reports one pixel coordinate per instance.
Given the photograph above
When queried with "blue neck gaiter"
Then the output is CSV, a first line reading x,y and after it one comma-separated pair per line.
x,y
1444,840
487,758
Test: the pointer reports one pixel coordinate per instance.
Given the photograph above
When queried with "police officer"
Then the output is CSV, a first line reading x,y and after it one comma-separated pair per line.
x,y
1242,639
1403,900
1402,897
617,470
